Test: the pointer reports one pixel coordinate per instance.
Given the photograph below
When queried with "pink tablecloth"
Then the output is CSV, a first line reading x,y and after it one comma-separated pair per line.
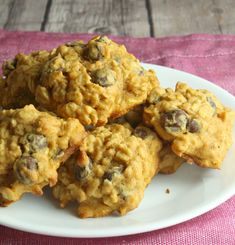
x,y
209,56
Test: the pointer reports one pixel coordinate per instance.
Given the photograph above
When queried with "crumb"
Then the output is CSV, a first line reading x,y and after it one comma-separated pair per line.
x,y
167,191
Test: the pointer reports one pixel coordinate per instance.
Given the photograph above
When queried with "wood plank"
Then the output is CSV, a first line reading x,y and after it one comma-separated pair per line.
x,y
168,17
26,15
106,16
224,12
5,7
189,16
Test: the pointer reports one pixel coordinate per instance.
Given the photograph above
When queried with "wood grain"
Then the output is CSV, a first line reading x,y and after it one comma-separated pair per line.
x,y
106,16
120,17
5,6
25,14
189,16
225,14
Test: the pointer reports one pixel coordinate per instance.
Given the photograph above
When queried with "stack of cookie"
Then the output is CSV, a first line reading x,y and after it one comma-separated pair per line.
x,y
88,120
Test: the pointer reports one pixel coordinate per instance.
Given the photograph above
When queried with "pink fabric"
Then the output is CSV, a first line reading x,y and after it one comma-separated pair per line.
x,y
209,56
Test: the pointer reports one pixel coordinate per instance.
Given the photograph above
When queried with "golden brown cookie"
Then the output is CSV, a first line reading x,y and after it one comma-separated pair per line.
x,y
134,117
33,144
169,162
110,171
21,75
198,126
93,82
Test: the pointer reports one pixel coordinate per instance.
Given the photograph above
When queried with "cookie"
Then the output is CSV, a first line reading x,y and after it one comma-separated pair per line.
x,y
169,162
194,121
110,171
134,117
93,82
20,76
33,144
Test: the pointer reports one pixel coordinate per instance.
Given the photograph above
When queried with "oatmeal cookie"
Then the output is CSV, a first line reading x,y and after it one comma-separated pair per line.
x,y
93,82
134,117
169,162
33,144
198,126
110,171
21,75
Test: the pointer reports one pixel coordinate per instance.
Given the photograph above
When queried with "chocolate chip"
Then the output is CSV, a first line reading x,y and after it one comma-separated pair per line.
x,y
212,103
154,97
174,121
104,77
141,71
134,117
193,126
141,132
24,167
33,142
118,120
89,127
94,51
9,66
108,176
111,173
82,172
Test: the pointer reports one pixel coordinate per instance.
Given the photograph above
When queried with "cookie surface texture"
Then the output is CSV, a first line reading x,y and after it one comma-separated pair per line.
x,y
93,82
20,76
198,126
110,171
33,145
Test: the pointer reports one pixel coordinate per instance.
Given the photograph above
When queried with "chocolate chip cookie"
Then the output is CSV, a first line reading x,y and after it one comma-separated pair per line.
x,y
33,144
93,82
110,171
20,76
169,162
194,121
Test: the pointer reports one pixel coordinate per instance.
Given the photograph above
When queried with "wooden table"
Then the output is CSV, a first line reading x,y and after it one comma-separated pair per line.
x,y
120,17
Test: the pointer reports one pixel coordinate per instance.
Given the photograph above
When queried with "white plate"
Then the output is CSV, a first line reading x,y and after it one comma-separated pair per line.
x,y
193,191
